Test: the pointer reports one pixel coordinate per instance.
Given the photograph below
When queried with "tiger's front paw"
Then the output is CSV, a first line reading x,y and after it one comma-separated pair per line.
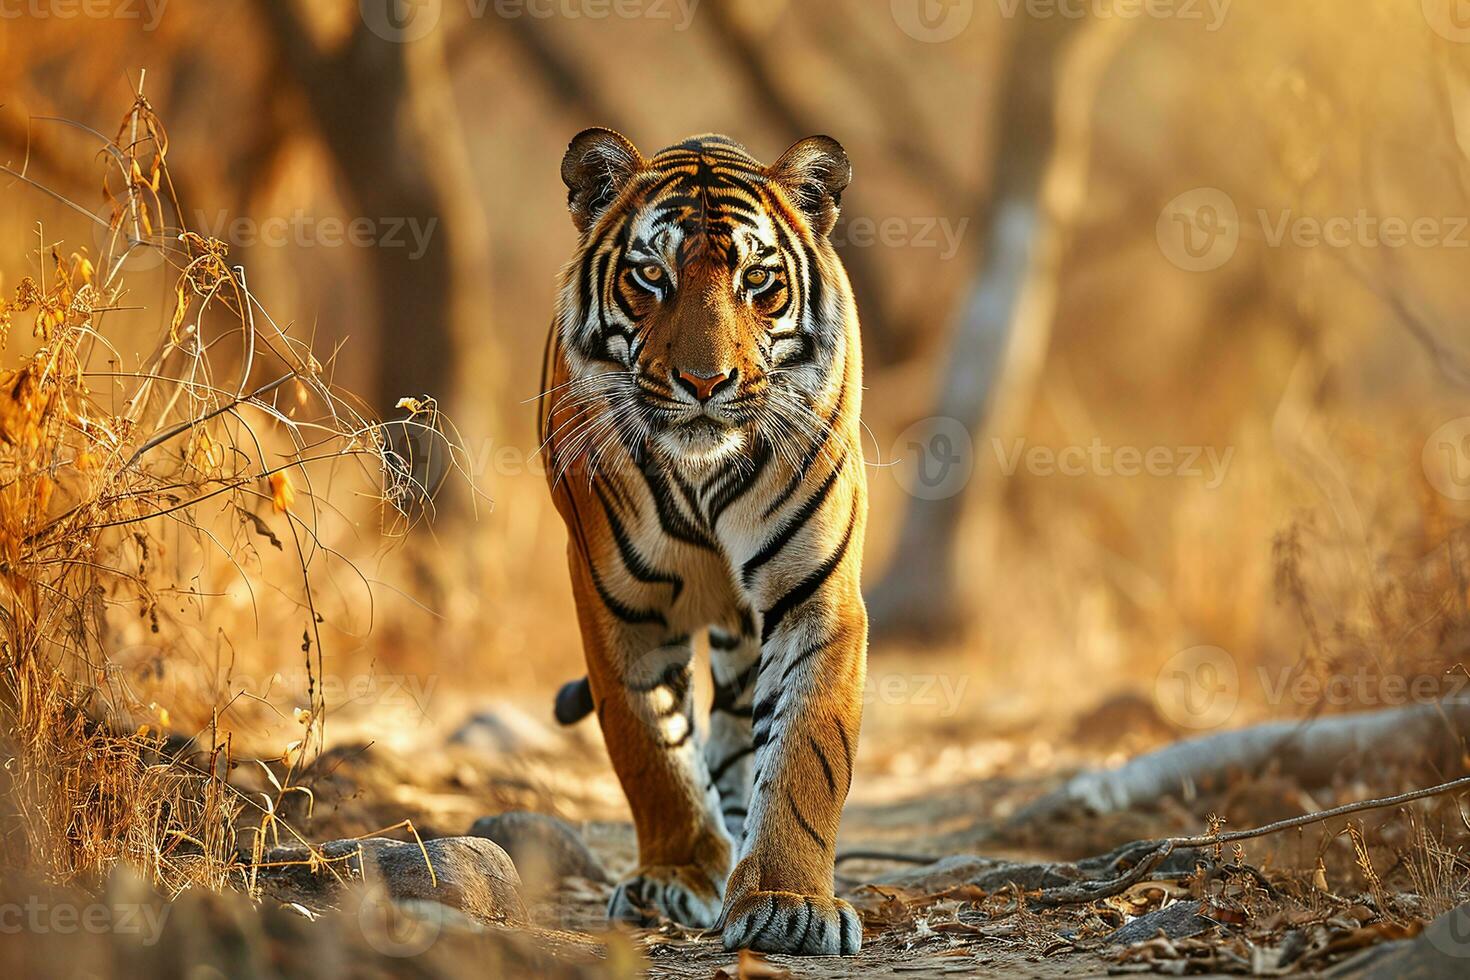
x,y
684,893
800,925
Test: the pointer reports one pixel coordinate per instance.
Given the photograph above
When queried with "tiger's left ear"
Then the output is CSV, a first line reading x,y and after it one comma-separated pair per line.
x,y
815,172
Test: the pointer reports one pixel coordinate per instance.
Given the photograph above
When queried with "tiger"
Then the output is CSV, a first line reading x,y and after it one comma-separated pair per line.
x,y
702,387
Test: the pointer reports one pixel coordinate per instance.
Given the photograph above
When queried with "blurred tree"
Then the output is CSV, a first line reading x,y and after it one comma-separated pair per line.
x,y
881,341
384,110
999,344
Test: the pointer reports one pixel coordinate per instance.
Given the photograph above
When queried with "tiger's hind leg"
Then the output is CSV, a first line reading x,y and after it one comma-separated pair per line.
x,y
735,653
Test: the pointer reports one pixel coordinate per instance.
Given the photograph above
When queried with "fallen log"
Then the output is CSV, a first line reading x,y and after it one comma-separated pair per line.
x,y
1311,751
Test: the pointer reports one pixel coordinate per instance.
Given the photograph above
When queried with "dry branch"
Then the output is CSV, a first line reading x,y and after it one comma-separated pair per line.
x,y
1051,884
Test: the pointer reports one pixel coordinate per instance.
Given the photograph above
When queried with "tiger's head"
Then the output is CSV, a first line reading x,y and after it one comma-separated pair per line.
x,y
705,306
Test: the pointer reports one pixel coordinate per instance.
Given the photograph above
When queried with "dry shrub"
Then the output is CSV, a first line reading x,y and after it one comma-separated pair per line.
x,y
138,495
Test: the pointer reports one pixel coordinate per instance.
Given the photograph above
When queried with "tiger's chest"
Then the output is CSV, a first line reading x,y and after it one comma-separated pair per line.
x,y
678,537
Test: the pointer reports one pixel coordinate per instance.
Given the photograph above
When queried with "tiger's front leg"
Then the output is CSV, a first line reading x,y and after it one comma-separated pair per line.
x,y
808,706
640,682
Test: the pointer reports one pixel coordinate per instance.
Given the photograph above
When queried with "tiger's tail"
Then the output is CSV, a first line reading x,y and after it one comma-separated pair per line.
x,y
574,701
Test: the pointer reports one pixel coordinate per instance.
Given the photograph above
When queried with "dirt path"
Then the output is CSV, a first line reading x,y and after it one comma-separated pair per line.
x,y
928,783
926,792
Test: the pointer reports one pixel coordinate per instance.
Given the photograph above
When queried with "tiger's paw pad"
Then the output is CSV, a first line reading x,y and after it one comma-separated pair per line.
x,y
683,893
800,925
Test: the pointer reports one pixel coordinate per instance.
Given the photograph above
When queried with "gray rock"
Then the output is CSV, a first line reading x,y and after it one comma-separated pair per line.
x,y
1177,921
1440,952
505,729
542,845
471,874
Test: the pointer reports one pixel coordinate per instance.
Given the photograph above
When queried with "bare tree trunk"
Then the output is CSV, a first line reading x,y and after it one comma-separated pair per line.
x,y
368,106
881,341
564,78
999,345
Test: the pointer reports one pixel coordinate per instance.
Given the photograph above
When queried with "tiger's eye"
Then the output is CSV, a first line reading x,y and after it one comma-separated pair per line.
x,y
651,272
757,277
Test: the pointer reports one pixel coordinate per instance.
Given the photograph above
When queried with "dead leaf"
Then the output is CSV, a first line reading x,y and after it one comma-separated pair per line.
x,y
263,529
283,494
753,966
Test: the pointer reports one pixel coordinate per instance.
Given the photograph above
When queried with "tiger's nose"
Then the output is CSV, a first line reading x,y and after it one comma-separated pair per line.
x,y
704,386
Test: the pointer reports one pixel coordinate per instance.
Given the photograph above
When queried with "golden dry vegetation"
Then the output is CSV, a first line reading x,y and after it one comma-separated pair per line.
x,y
227,621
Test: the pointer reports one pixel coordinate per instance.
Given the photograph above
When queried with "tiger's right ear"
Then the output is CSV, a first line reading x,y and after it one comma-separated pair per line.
x,y
597,166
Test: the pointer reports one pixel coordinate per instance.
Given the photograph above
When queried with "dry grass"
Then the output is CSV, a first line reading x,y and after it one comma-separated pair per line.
x,y
139,499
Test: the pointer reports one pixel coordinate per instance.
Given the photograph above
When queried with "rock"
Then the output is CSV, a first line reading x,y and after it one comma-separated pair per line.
x,y
1442,950
471,874
542,846
1177,921
505,729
